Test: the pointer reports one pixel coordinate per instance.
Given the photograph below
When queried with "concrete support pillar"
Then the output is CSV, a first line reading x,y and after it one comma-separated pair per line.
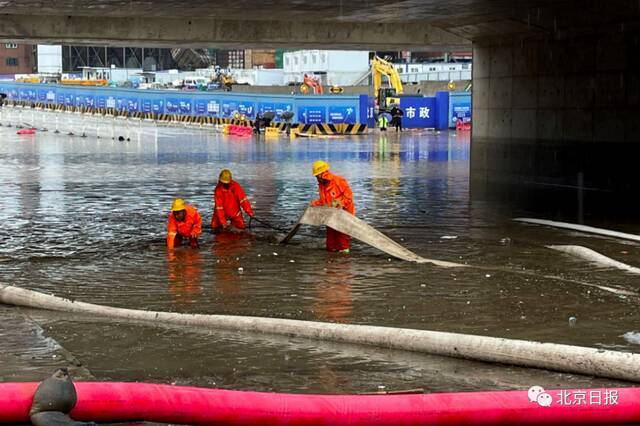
x,y
558,117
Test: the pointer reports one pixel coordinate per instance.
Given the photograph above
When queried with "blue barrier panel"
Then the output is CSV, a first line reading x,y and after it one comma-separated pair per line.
x,y
371,106
342,114
367,107
330,108
442,110
312,114
459,107
419,112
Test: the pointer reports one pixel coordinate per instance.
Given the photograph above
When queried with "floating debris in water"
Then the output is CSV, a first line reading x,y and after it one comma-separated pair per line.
x,y
240,270
275,254
449,237
632,337
423,285
487,275
572,321
292,261
505,241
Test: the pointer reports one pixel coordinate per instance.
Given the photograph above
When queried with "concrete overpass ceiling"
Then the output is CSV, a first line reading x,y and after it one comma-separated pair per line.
x,y
431,11
350,24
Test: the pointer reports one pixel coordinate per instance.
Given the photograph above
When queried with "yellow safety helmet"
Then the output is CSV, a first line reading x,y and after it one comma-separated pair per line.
x,y
178,205
320,167
225,176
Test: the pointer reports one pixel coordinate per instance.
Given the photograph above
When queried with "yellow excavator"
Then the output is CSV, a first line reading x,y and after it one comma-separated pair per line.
x,y
385,96
226,81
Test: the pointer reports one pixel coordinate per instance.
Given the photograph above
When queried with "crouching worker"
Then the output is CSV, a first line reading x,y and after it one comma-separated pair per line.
x,y
185,225
334,192
229,200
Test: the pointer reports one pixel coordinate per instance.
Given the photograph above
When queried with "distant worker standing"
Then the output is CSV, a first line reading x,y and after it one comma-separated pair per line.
x,y
229,201
184,224
396,117
383,121
334,192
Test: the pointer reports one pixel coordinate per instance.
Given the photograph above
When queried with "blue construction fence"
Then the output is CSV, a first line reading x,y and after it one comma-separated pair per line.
x,y
420,111
440,112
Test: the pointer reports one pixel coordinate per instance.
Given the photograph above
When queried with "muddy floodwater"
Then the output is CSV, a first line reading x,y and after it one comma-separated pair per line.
x,y
86,218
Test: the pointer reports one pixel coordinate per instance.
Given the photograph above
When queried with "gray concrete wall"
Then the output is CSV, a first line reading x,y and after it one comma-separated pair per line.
x,y
554,112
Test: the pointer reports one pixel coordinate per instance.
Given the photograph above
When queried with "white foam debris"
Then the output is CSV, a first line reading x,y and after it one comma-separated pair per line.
x,y
448,237
632,337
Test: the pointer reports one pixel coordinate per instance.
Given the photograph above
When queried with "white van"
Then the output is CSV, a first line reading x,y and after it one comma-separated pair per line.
x,y
195,83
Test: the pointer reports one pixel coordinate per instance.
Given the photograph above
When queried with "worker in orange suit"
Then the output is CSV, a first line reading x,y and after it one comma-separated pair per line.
x,y
334,192
229,200
185,224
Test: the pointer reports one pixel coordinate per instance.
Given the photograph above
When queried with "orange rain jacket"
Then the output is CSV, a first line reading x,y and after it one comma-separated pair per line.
x,y
227,203
191,226
336,190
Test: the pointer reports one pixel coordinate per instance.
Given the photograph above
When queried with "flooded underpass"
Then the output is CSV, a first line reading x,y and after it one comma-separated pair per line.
x,y
85,218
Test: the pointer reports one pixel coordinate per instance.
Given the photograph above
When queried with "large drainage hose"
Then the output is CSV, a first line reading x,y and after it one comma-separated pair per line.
x,y
346,223
550,356
126,402
595,257
580,228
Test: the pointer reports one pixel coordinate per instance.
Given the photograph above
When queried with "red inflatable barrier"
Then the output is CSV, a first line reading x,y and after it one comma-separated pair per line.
x,y
26,132
120,402
240,130
462,125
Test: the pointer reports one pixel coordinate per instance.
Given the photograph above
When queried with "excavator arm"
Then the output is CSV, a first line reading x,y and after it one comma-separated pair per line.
x,y
380,67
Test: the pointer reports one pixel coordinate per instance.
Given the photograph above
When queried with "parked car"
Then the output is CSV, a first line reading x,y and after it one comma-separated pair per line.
x,y
195,83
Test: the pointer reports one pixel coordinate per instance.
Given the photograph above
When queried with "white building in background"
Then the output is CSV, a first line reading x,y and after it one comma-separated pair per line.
x,y
334,67
49,59
435,71
259,77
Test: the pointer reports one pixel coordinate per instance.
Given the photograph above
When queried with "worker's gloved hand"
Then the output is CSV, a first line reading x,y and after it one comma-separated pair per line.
x,y
193,242
336,204
251,214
